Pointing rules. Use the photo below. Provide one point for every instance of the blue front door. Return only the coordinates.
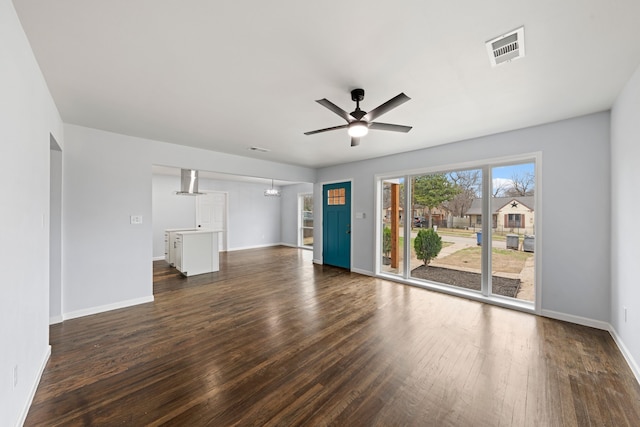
(336, 224)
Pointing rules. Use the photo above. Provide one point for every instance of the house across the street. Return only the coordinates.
(508, 214)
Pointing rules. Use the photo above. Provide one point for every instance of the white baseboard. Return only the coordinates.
(584, 321)
(159, 258)
(289, 245)
(55, 319)
(626, 353)
(107, 307)
(363, 272)
(244, 248)
(317, 261)
(34, 386)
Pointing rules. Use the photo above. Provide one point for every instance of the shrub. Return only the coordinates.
(386, 241)
(427, 245)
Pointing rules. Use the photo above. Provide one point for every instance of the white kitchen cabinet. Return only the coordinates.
(196, 252)
(166, 246)
(170, 244)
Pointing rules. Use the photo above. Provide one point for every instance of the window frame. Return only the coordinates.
(486, 165)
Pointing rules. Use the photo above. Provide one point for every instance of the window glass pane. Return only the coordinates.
(392, 240)
(336, 196)
(306, 220)
(513, 233)
(446, 228)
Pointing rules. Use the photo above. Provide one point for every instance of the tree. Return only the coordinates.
(386, 241)
(521, 185)
(427, 245)
(431, 191)
(499, 188)
(468, 182)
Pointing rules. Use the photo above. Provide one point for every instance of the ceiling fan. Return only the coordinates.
(359, 122)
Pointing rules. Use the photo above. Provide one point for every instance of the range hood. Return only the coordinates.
(188, 183)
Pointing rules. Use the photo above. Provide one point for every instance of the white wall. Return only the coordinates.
(574, 214)
(253, 221)
(169, 210)
(107, 178)
(289, 219)
(55, 234)
(625, 227)
(27, 117)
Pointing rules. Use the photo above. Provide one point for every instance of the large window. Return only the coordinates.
(432, 229)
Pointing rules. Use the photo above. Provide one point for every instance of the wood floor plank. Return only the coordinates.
(272, 339)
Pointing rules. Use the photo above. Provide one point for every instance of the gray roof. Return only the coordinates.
(498, 203)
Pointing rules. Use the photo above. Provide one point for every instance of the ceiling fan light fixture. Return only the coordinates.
(358, 128)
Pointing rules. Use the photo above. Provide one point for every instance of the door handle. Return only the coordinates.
(348, 228)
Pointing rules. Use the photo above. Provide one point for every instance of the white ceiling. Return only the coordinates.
(228, 75)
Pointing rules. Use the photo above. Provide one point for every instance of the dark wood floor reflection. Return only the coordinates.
(272, 339)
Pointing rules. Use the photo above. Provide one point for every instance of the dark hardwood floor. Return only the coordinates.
(274, 340)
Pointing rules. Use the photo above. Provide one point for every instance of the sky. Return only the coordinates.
(507, 172)
(501, 176)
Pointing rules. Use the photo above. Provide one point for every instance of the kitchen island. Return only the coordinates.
(196, 251)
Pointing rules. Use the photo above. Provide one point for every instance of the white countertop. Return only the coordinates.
(199, 230)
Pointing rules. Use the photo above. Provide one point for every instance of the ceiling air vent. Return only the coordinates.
(259, 149)
(506, 47)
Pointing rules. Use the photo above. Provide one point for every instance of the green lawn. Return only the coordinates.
(504, 260)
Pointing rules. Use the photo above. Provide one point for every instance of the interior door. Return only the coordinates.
(211, 213)
(336, 224)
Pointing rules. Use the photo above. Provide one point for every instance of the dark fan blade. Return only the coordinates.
(326, 129)
(387, 106)
(355, 141)
(333, 107)
(387, 126)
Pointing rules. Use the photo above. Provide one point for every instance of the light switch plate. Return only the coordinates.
(136, 219)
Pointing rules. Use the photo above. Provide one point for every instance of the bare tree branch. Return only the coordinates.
(468, 182)
(521, 185)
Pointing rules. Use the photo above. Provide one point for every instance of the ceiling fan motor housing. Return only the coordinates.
(357, 95)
